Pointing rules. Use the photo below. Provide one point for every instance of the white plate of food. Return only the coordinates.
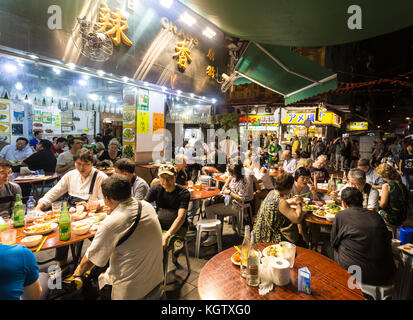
(236, 258)
(31, 241)
(81, 227)
(43, 228)
(79, 215)
(48, 218)
(274, 250)
(97, 216)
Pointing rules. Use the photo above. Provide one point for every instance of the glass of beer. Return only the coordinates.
(56, 207)
(198, 186)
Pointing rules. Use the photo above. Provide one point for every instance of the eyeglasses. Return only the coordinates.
(6, 173)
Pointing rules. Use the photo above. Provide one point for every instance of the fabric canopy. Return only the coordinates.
(285, 72)
(301, 23)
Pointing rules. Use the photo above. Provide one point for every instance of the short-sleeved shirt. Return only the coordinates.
(175, 200)
(7, 197)
(322, 176)
(55, 151)
(105, 156)
(139, 188)
(182, 177)
(64, 159)
(373, 179)
(42, 160)
(407, 163)
(135, 266)
(18, 269)
(11, 153)
(33, 143)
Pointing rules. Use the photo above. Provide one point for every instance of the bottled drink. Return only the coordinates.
(244, 251)
(331, 185)
(253, 263)
(30, 205)
(64, 224)
(18, 212)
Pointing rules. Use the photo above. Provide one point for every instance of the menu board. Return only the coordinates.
(44, 120)
(142, 114)
(157, 123)
(5, 126)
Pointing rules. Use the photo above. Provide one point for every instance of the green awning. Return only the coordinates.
(285, 72)
(304, 23)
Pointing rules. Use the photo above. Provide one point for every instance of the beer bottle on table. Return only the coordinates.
(18, 212)
(244, 251)
(64, 224)
(253, 263)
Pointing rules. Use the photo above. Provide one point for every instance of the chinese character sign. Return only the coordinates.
(184, 56)
(297, 118)
(211, 54)
(114, 24)
(210, 70)
(354, 126)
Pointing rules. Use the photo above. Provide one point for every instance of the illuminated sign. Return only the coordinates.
(258, 120)
(184, 56)
(166, 24)
(355, 126)
(298, 118)
(210, 71)
(114, 24)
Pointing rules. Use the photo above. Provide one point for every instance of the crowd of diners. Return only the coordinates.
(130, 264)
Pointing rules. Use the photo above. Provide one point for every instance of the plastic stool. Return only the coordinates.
(378, 292)
(208, 225)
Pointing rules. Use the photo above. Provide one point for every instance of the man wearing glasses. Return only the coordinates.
(8, 190)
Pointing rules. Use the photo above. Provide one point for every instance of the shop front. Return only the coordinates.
(104, 64)
(315, 123)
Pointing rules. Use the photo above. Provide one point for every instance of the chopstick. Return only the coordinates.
(304, 194)
(237, 249)
(41, 245)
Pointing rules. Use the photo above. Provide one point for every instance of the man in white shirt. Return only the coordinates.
(20, 151)
(357, 179)
(65, 161)
(263, 183)
(82, 184)
(289, 163)
(132, 243)
(371, 177)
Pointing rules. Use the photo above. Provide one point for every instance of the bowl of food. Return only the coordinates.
(330, 217)
(31, 241)
(97, 216)
(79, 215)
(80, 228)
(43, 228)
(274, 250)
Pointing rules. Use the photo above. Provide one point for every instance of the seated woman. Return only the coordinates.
(236, 188)
(275, 213)
(110, 156)
(305, 162)
(393, 202)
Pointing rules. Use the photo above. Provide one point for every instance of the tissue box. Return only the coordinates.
(304, 280)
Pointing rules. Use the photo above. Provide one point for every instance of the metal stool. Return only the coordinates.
(208, 225)
(240, 218)
(187, 261)
(378, 292)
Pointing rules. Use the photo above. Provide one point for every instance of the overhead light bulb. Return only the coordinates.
(178, 92)
(192, 95)
(56, 70)
(82, 82)
(214, 101)
(48, 92)
(146, 84)
(209, 33)
(125, 79)
(100, 73)
(93, 97)
(19, 86)
(167, 3)
(71, 66)
(163, 89)
(10, 67)
(186, 18)
(33, 56)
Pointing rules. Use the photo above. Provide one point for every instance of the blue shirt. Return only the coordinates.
(18, 269)
(33, 143)
(11, 153)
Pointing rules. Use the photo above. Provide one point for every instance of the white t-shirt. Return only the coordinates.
(136, 266)
(64, 159)
(265, 177)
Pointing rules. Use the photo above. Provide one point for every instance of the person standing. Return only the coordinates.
(346, 153)
(274, 152)
(296, 145)
(406, 167)
(339, 157)
(107, 137)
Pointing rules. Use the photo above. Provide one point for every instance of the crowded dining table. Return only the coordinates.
(220, 279)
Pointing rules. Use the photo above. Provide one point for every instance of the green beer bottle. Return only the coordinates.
(64, 224)
(18, 212)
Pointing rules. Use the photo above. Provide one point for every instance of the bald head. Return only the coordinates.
(286, 155)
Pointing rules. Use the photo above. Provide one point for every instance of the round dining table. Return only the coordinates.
(220, 279)
(205, 192)
(33, 180)
(153, 168)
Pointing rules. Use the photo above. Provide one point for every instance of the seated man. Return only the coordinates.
(126, 167)
(58, 147)
(319, 171)
(19, 274)
(289, 163)
(371, 177)
(37, 136)
(131, 239)
(8, 190)
(82, 184)
(65, 162)
(359, 237)
(43, 159)
(357, 179)
(20, 151)
(172, 202)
